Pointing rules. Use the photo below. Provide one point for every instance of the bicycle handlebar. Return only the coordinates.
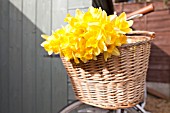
(143, 11)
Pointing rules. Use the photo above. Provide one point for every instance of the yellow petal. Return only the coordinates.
(110, 48)
(108, 39)
(130, 22)
(102, 45)
(75, 59)
(78, 13)
(97, 51)
(122, 16)
(92, 42)
(44, 43)
(94, 58)
(112, 17)
(50, 52)
(123, 39)
(88, 56)
(115, 52)
(104, 16)
(44, 36)
(106, 55)
(68, 18)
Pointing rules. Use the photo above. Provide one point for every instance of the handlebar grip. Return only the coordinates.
(143, 10)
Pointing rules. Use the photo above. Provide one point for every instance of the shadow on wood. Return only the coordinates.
(29, 82)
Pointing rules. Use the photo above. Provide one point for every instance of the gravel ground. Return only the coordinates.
(157, 105)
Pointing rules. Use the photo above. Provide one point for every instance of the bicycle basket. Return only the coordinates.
(117, 83)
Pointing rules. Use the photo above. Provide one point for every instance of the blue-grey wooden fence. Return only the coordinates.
(30, 82)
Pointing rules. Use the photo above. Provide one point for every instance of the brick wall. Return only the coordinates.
(159, 22)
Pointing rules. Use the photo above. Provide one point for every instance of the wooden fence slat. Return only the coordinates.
(73, 4)
(71, 95)
(29, 95)
(160, 87)
(156, 93)
(59, 12)
(4, 54)
(59, 85)
(59, 75)
(72, 11)
(15, 56)
(43, 65)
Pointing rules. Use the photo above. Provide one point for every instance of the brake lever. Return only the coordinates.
(134, 16)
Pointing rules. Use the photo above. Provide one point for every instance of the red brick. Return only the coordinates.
(162, 39)
(158, 22)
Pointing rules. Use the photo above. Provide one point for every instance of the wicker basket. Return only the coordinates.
(117, 83)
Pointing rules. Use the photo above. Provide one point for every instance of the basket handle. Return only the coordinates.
(148, 33)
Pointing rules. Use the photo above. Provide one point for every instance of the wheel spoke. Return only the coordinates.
(93, 110)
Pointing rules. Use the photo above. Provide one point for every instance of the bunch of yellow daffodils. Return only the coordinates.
(89, 34)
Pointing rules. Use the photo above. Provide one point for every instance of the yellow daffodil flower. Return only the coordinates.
(88, 34)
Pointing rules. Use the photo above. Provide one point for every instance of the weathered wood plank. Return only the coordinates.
(29, 61)
(4, 54)
(156, 93)
(72, 11)
(59, 12)
(43, 65)
(59, 85)
(73, 4)
(71, 95)
(59, 75)
(164, 88)
(15, 56)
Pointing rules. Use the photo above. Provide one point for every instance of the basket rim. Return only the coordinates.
(136, 43)
(147, 34)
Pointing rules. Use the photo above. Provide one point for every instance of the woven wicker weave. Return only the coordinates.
(117, 83)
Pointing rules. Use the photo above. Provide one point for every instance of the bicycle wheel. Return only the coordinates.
(79, 107)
